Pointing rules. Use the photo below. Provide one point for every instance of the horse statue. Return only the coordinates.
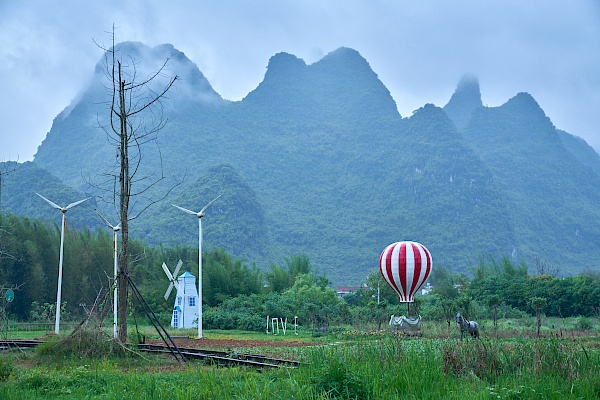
(467, 327)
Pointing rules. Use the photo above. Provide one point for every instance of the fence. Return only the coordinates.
(37, 326)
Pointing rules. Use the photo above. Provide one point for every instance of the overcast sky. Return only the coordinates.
(419, 48)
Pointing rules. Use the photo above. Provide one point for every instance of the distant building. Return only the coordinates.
(426, 289)
(344, 290)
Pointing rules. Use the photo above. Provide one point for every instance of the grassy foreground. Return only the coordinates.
(352, 367)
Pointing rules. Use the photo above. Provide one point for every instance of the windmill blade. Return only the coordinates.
(208, 205)
(172, 279)
(169, 276)
(49, 202)
(169, 291)
(179, 264)
(186, 210)
(76, 203)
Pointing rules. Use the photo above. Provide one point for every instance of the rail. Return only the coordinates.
(18, 343)
(216, 357)
(223, 358)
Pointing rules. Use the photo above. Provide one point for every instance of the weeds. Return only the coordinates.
(6, 368)
(363, 367)
(335, 378)
(489, 360)
(83, 343)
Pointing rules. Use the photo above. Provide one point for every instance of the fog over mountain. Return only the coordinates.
(419, 50)
(317, 160)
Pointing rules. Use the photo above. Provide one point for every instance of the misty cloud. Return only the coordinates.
(419, 50)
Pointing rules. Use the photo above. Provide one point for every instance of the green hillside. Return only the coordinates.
(554, 198)
(24, 180)
(318, 161)
(580, 150)
(233, 221)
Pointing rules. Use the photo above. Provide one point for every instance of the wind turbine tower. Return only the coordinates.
(115, 229)
(60, 260)
(199, 215)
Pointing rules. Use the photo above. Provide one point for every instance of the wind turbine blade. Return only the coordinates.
(104, 220)
(169, 291)
(49, 202)
(186, 210)
(76, 203)
(208, 205)
(179, 264)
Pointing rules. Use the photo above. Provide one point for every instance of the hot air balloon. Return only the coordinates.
(405, 266)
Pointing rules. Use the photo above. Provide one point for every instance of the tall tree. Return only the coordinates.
(132, 98)
(538, 304)
(493, 303)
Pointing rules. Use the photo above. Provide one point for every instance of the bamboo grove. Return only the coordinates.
(238, 296)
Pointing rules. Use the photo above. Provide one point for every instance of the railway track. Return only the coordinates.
(19, 343)
(223, 358)
(215, 357)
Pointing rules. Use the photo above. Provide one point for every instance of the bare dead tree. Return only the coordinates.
(136, 118)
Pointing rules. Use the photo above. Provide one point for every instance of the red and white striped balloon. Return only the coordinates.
(405, 266)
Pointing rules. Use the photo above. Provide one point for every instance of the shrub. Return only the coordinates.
(82, 343)
(6, 369)
(216, 318)
(583, 324)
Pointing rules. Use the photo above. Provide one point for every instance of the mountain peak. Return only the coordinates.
(344, 59)
(289, 82)
(344, 53)
(347, 68)
(284, 64)
(465, 100)
(524, 99)
(191, 85)
(469, 85)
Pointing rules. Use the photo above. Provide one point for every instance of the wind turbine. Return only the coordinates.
(60, 261)
(115, 230)
(199, 215)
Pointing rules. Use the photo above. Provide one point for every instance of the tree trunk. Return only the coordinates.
(124, 181)
(126, 131)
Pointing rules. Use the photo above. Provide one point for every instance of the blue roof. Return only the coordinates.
(186, 274)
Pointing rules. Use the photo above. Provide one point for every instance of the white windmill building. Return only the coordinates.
(185, 309)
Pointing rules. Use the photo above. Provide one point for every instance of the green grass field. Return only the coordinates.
(565, 364)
